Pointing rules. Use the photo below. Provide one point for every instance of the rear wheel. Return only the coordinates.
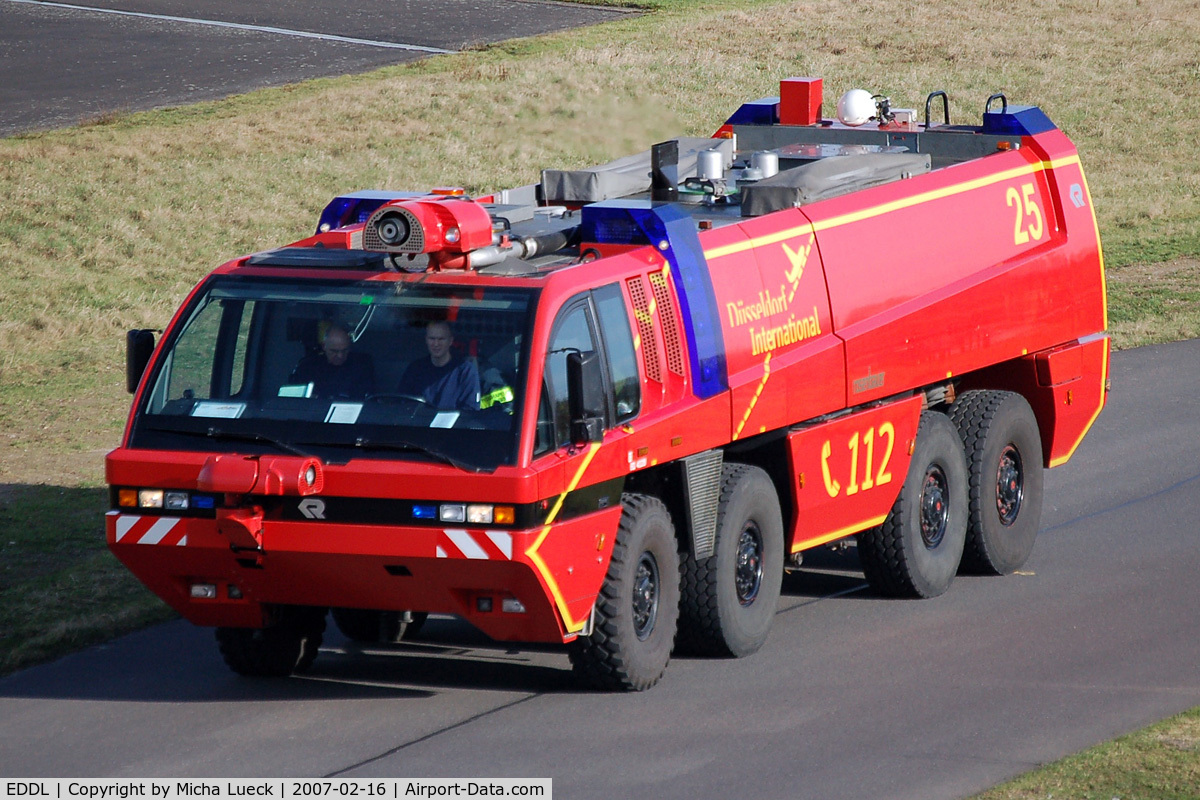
(637, 611)
(730, 598)
(1004, 462)
(917, 550)
(287, 646)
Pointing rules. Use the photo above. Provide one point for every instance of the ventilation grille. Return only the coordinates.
(645, 324)
(702, 479)
(666, 313)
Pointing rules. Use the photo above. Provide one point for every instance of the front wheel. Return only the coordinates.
(917, 549)
(287, 646)
(637, 612)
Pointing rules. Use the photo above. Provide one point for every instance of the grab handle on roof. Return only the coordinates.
(945, 107)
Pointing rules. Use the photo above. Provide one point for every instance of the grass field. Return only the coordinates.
(1161, 762)
(106, 226)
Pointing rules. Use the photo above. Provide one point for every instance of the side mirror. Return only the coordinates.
(585, 397)
(139, 345)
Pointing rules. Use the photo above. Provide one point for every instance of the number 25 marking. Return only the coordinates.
(1025, 205)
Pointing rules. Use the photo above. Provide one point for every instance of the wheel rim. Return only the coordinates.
(645, 595)
(1010, 485)
(749, 570)
(935, 509)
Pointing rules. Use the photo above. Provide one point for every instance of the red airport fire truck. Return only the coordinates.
(609, 408)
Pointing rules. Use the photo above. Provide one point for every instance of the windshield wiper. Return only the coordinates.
(401, 446)
(233, 436)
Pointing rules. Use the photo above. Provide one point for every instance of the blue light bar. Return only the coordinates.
(764, 111)
(353, 208)
(607, 223)
(672, 232)
(1017, 121)
(205, 501)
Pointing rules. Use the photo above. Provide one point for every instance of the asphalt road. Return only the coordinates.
(63, 63)
(853, 696)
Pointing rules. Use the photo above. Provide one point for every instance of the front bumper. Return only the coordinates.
(552, 573)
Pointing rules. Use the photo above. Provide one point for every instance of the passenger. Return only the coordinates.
(336, 372)
(443, 380)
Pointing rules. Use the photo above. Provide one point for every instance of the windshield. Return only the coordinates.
(336, 369)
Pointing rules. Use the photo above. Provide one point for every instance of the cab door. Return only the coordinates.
(581, 485)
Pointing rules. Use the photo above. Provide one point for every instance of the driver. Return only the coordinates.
(443, 380)
(336, 372)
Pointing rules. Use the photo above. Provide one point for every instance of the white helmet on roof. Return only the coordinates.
(855, 107)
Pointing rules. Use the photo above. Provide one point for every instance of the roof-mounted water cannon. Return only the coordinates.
(456, 233)
(447, 229)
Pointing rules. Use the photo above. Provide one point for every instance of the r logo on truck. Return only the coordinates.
(312, 508)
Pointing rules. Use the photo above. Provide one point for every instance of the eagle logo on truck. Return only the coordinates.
(798, 258)
(765, 337)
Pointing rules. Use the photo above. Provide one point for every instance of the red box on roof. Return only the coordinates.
(799, 101)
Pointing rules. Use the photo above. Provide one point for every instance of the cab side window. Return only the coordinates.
(573, 332)
(622, 361)
(578, 328)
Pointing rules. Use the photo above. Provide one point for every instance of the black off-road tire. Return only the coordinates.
(730, 598)
(1004, 463)
(637, 611)
(917, 550)
(288, 646)
(370, 627)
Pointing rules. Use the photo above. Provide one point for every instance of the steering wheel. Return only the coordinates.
(389, 397)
